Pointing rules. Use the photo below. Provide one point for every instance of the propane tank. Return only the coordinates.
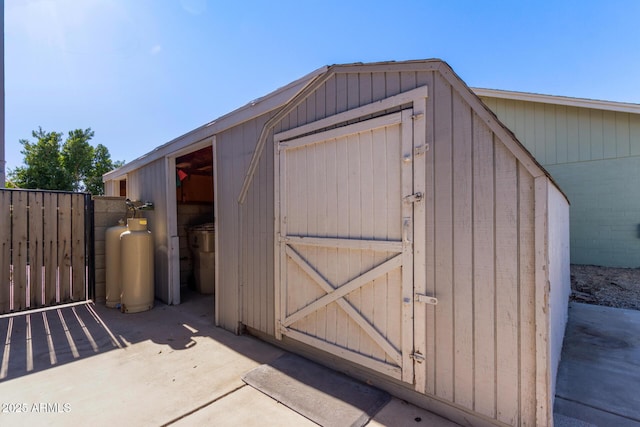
(112, 264)
(136, 257)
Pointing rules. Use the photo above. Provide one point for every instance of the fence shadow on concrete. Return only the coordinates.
(37, 340)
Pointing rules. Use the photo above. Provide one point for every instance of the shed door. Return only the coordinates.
(345, 244)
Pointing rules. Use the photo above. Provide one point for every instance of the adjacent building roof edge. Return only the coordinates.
(623, 107)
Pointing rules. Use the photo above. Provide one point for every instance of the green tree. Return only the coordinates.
(72, 166)
(101, 164)
(77, 157)
(43, 167)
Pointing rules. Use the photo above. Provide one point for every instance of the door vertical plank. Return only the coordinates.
(407, 253)
(354, 230)
(381, 232)
(64, 247)
(342, 264)
(5, 249)
(394, 227)
(35, 248)
(367, 208)
(333, 218)
(419, 241)
(20, 251)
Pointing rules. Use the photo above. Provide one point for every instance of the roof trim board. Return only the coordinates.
(622, 107)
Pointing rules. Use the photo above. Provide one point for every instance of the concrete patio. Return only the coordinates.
(89, 364)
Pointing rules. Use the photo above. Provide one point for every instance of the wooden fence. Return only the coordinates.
(45, 246)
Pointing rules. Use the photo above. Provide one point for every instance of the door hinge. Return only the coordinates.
(413, 198)
(417, 356)
(426, 299)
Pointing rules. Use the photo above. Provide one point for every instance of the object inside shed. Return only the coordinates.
(194, 197)
(194, 177)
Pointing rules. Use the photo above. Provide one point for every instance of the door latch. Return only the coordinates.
(418, 357)
(413, 198)
(426, 299)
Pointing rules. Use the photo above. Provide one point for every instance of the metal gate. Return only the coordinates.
(45, 246)
(345, 242)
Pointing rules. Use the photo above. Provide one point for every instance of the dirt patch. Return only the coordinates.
(608, 286)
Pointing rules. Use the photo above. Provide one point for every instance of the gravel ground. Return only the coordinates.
(612, 287)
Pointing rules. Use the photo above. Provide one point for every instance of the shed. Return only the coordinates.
(379, 219)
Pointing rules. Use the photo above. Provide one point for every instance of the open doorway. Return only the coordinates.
(194, 174)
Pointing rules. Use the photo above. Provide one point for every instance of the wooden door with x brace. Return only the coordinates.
(345, 242)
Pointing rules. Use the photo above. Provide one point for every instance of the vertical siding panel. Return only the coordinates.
(539, 133)
(341, 93)
(623, 143)
(508, 116)
(320, 107)
(609, 134)
(36, 260)
(392, 83)
(443, 237)
(483, 270)
(378, 86)
(430, 251)
(584, 134)
(573, 135)
(507, 304)
(366, 91)
(330, 104)
(562, 149)
(519, 128)
(527, 366)
(550, 134)
(230, 152)
(634, 134)
(311, 108)
(462, 252)
(269, 224)
(302, 115)
(353, 90)
(5, 249)
(530, 130)
(407, 81)
(597, 142)
(251, 239)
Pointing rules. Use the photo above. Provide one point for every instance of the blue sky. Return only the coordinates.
(142, 72)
